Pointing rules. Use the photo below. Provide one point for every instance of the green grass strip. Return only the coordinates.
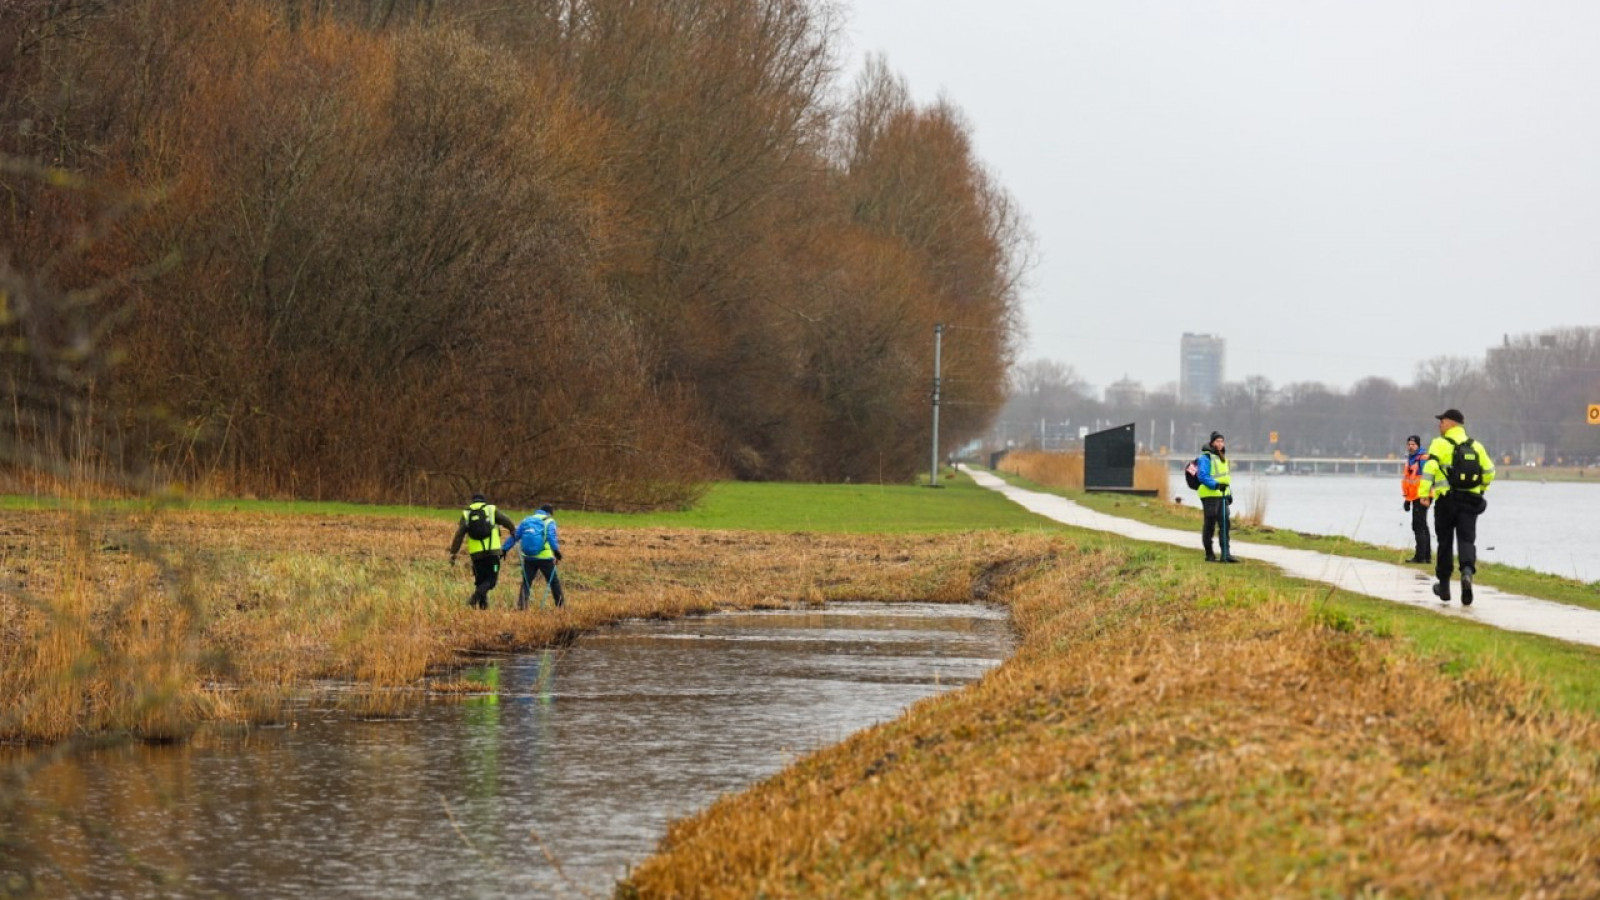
(1187, 517)
(957, 505)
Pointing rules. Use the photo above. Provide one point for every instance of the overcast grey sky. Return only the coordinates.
(1340, 189)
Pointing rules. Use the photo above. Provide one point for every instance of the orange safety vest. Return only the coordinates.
(1413, 476)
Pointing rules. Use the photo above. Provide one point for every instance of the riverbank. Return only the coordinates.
(1169, 729)
(154, 624)
(1186, 517)
(1548, 473)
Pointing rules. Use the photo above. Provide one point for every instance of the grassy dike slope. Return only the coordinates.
(1181, 517)
(1170, 729)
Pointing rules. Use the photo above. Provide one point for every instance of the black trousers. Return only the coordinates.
(547, 568)
(485, 575)
(1216, 510)
(1455, 522)
(1419, 527)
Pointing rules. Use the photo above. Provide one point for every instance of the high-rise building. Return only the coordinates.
(1200, 368)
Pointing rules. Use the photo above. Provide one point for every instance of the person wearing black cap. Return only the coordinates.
(540, 543)
(480, 527)
(1458, 472)
(1215, 495)
(1415, 458)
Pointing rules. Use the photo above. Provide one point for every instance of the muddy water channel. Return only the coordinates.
(552, 786)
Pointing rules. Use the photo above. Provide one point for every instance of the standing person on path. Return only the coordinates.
(480, 528)
(541, 550)
(1454, 478)
(1415, 458)
(1215, 495)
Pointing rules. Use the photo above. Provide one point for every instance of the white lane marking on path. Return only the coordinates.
(1386, 581)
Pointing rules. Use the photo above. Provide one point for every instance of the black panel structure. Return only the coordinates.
(1108, 460)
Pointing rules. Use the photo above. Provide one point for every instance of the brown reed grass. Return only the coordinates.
(1166, 731)
(1254, 512)
(1065, 470)
(153, 623)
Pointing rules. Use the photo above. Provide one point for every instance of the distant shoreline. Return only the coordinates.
(1547, 473)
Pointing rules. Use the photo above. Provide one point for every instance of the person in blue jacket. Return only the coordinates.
(1216, 494)
(540, 543)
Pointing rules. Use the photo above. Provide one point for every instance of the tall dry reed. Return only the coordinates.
(1254, 513)
(1065, 470)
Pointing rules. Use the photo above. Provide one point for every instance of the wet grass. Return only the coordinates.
(1186, 517)
(1168, 729)
(152, 623)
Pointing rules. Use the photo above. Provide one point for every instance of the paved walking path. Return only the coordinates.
(1387, 581)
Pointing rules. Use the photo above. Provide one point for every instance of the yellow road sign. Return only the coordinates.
(1594, 414)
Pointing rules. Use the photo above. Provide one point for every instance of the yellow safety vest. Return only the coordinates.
(1219, 474)
(492, 542)
(1441, 455)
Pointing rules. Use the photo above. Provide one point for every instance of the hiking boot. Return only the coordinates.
(1466, 587)
(1418, 559)
(1442, 591)
(1228, 559)
(1210, 557)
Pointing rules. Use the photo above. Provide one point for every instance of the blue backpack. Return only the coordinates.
(535, 535)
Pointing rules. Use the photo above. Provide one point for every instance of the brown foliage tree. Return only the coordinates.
(585, 250)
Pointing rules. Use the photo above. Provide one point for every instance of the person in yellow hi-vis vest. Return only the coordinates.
(1458, 472)
(1216, 495)
(480, 528)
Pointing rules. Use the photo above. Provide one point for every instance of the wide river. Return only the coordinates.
(1550, 527)
(553, 786)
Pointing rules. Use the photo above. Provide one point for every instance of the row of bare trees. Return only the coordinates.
(595, 251)
(1527, 398)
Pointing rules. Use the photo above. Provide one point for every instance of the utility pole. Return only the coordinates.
(933, 470)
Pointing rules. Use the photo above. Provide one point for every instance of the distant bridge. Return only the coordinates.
(1299, 465)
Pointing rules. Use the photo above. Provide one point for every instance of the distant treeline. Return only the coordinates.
(594, 251)
(1527, 398)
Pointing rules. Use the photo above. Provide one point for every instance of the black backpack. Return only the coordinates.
(1191, 474)
(1465, 472)
(479, 526)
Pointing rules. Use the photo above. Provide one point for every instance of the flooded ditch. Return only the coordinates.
(550, 786)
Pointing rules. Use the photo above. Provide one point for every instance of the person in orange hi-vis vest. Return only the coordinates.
(1415, 458)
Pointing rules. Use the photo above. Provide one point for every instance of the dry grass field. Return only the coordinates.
(153, 624)
(1165, 729)
(1167, 733)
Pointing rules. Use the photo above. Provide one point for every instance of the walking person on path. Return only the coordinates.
(1458, 472)
(540, 544)
(1415, 458)
(1215, 495)
(480, 528)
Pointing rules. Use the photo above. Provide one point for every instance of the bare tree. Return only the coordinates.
(1546, 379)
(1449, 380)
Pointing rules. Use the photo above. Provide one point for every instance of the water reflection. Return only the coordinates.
(550, 785)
